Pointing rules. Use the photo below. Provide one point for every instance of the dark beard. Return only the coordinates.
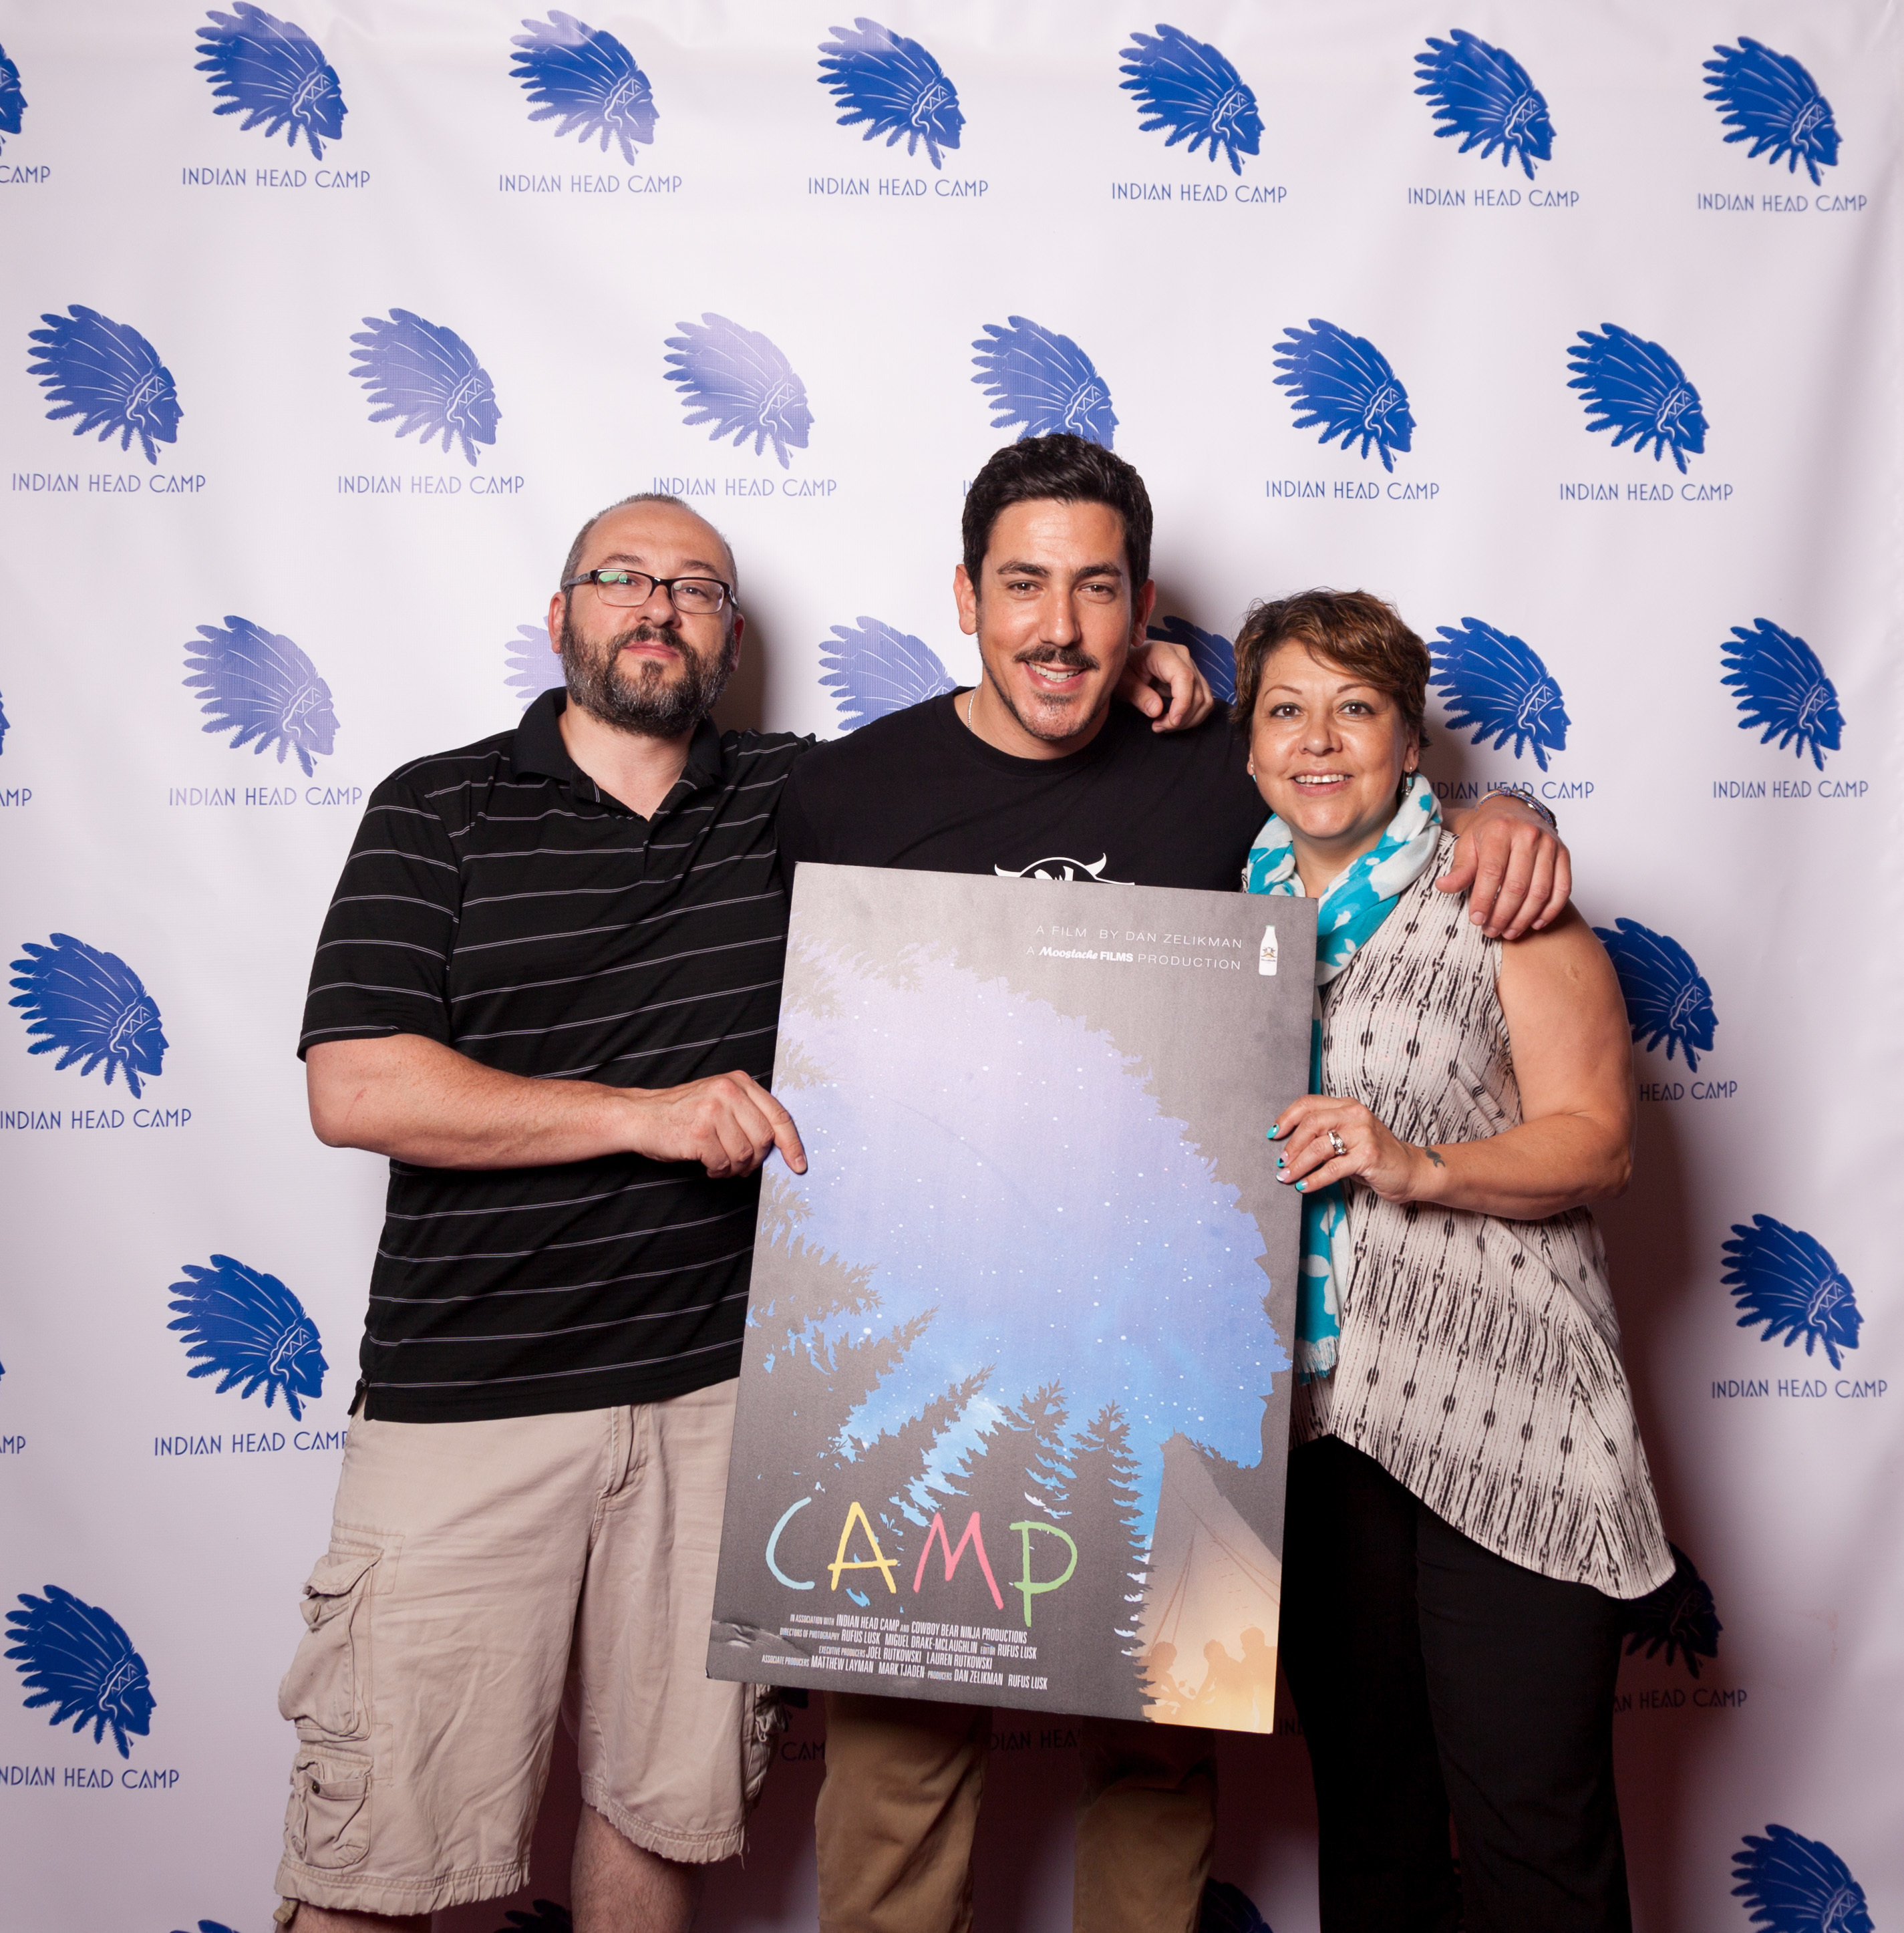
(647, 701)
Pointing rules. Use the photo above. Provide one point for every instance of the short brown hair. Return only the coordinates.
(1057, 469)
(1353, 629)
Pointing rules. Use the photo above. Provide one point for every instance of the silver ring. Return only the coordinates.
(1336, 1141)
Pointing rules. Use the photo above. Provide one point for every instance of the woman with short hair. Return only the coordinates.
(1470, 1506)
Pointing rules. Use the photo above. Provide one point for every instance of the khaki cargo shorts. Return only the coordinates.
(476, 1571)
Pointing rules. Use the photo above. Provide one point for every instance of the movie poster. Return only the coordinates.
(1014, 1402)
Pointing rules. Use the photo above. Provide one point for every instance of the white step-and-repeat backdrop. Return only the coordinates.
(1575, 330)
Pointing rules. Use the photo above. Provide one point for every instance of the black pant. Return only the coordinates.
(1431, 1676)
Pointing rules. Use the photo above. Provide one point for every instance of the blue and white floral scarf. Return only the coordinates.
(1355, 903)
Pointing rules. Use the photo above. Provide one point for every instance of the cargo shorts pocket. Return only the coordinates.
(327, 1689)
(765, 1718)
(327, 1823)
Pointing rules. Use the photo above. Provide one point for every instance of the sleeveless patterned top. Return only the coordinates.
(1479, 1359)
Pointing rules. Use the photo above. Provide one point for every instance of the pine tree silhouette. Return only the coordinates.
(889, 1474)
(1018, 1466)
(1111, 1560)
(820, 1374)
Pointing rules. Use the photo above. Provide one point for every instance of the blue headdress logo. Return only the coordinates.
(1797, 1885)
(873, 669)
(1666, 997)
(1491, 680)
(1781, 685)
(1484, 94)
(1771, 101)
(247, 1327)
(75, 1658)
(1679, 1617)
(735, 379)
(1044, 381)
(13, 98)
(1190, 87)
(1226, 1908)
(91, 1007)
(1344, 383)
(892, 84)
(1639, 391)
(1787, 1279)
(109, 376)
(209, 1926)
(428, 378)
(1213, 654)
(273, 71)
(261, 688)
(533, 668)
(584, 79)
(545, 1916)
(5, 726)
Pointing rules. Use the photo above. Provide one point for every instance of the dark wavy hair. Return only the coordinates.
(1353, 629)
(1062, 469)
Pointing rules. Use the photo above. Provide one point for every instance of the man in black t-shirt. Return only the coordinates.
(1034, 773)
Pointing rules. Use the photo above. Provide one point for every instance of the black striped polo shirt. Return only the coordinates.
(498, 900)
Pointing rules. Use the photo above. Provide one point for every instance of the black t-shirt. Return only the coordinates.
(918, 789)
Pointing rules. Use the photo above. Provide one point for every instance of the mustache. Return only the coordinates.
(647, 633)
(1073, 657)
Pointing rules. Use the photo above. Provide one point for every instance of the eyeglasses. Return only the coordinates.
(628, 590)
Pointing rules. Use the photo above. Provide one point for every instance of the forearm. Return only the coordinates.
(1526, 1174)
(420, 1102)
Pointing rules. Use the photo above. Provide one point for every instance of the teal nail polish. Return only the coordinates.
(1300, 1186)
(1279, 1161)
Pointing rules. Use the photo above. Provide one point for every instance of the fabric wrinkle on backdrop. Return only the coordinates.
(1575, 332)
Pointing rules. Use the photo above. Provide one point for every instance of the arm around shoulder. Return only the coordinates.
(1509, 861)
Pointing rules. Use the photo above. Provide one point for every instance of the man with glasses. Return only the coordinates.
(547, 989)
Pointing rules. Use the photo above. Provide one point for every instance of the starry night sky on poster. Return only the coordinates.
(1105, 1263)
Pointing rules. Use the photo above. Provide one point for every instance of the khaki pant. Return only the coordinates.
(476, 1570)
(900, 1806)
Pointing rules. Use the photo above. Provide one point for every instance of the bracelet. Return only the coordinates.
(1525, 793)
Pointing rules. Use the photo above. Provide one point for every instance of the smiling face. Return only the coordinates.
(653, 670)
(1330, 751)
(1055, 614)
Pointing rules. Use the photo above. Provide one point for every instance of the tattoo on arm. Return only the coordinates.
(1433, 1157)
